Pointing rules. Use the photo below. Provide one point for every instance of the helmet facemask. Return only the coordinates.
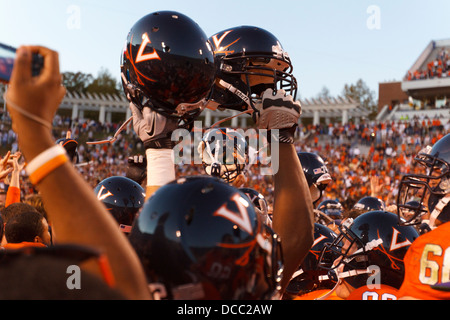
(248, 60)
(223, 153)
(430, 187)
(185, 113)
(244, 78)
(352, 263)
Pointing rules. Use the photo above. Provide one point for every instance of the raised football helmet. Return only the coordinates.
(71, 148)
(331, 208)
(370, 203)
(168, 65)
(307, 277)
(430, 188)
(248, 61)
(123, 198)
(316, 173)
(208, 243)
(372, 245)
(224, 153)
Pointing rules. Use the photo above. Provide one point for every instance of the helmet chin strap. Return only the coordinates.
(338, 276)
(236, 92)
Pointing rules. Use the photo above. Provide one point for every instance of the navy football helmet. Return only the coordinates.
(123, 198)
(371, 243)
(331, 208)
(370, 203)
(168, 65)
(200, 238)
(248, 61)
(316, 173)
(308, 276)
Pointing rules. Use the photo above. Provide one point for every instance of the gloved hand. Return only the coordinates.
(137, 168)
(153, 128)
(277, 111)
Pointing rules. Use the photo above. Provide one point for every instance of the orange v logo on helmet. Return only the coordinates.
(140, 54)
(147, 56)
(102, 196)
(394, 242)
(218, 42)
(242, 219)
(316, 241)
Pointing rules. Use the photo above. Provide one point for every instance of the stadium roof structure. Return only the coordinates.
(106, 104)
(428, 87)
(337, 108)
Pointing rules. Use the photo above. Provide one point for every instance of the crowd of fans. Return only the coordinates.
(436, 68)
(355, 154)
(201, 238)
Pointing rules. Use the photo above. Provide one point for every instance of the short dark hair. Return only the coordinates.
(24, 227)
(15, 209)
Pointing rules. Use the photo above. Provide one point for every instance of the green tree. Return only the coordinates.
(361, 93)
(77, 81)
(324, 93)
(104, 83)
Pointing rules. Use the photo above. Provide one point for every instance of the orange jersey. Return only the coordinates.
(384, 292)
(22, 245)
(12, 196)
(427, 262)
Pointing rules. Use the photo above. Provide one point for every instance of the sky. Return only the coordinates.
(331, 43)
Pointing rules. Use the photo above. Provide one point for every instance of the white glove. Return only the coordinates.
(153, 128)
(277, 111)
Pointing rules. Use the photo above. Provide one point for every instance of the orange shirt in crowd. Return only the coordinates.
(12, 196)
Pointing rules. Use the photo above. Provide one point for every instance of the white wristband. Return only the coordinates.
(46, 162)
(160, 166)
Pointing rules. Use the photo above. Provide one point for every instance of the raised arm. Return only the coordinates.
(77, 216)
(293, 217)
